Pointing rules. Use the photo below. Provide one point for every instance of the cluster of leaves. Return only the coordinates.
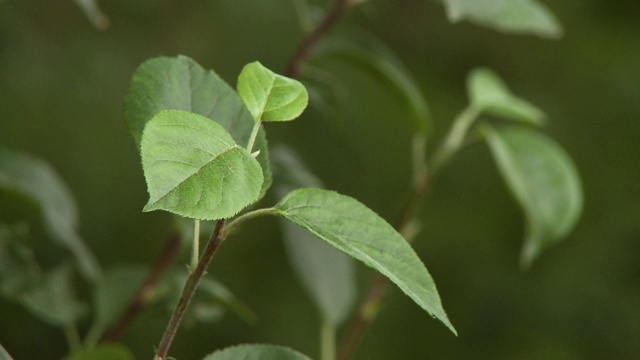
(205, 156)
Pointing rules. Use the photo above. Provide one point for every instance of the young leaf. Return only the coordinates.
(509, 16)
(354, 229)
(104, 352)
(269, 96)
(52, 299)
(25, 178)
(256, 352)
(545, 182)
(327, 274)
(194, 168)
(180, 83)
(367, 53)
(489, 94)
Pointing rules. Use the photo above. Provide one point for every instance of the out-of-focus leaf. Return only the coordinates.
(115, 290)
(194, 168)
(180, 83)
(93, 13)
(25, 178)
(211, 301)
(354, 229)
(545, 182)
(51, 299)
(18, 266)
(489, 94)
(256, 352)
(367, 53)
(509, 16)
(269, 96)
(326, 273)
(4, 355)
(104, 352)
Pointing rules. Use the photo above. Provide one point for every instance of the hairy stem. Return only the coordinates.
(189, 290)
(143, 296)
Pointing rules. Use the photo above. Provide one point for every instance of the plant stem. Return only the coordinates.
(189, 290)
(327, 341)
(144, 294)
(195, 250)
(244, 217)
(310, 40)
(423, 177)
(73, 338)
(254, 134)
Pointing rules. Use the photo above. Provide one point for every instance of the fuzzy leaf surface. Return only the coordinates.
(269, 96)
(508, 16)
(30, 183)
(180, 83)
(354, 229)
(256, 352)
(194, 168)
(327, 274)
(544, 181)
(491, 95)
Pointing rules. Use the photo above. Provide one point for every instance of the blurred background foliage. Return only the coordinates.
(62, 82)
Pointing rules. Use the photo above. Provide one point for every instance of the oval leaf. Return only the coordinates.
(490, 94)
(327, 274)
(509, 16)
(269, 96)
(35, 181)
(256, 352)
(180, 83)
(354, 229)
(545, 182)
(194, 168)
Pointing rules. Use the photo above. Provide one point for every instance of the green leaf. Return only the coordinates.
(269, 96)
(194, 168)
(180, 83)
(27, 181)
(489, 94)
(367, 53)
(354, 229)
(4, 355)
(115, 290)
(52, 299)
(509, 16)
(545, 182)
(18, 266)
(256, 352)
(104, 352)
(328, 275)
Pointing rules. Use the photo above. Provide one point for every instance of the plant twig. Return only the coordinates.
(142, 297)
(189, 290)
(303, 52)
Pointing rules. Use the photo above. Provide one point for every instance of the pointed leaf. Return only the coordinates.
(354, 229)
(194, 168)
(369, 54)
(256, 352)
(509, 16)
(269, 96)
(490, 95)
(180, 83)
(26, 179)
(327, 274)
(545, 182)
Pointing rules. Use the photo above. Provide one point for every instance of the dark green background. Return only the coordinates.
(62, 83)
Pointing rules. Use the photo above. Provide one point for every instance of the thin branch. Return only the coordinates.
(307, 44)
(189, 290)
(143, 296)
